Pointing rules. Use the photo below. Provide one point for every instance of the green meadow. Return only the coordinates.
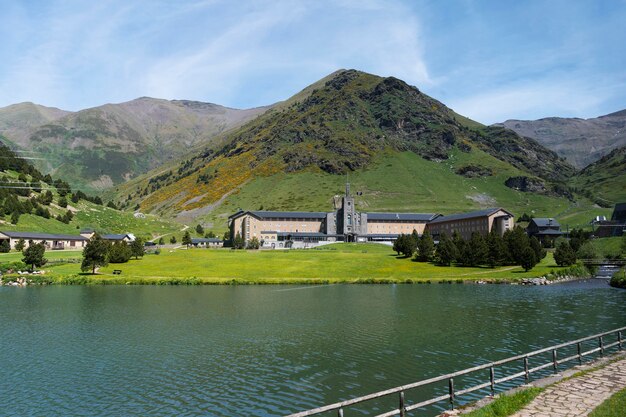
(337, 263)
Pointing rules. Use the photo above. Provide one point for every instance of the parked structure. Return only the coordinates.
(300, 229)
(544, 229)
(50, 241)
(481, 221)
(210, 242)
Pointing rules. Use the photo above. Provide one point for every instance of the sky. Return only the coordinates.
(489, 60)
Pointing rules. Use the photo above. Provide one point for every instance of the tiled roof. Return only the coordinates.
(470, 215)
(42, 236)
(419, 217)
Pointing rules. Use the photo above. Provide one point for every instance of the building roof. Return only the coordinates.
(42, 236)
(384, 235)
(303, 234)
(469, 215)
(115, 236)
(196, 240)
(289, 214)
(419, 217)
(545, 222)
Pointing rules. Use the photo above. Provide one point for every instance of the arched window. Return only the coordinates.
(349, 219)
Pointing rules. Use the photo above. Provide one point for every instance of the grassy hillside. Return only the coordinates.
(401, 182)
(605, 180)
(349, 123)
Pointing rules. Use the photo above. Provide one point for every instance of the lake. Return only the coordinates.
(267, 350)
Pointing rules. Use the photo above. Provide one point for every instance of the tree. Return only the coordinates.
(186, 238)
(111, 205)
(119, 252)
(33, 255)
(173, 240)
(46, 197)
(137, 248)
(475, 251)
(199, 229)
(517, 241)
(62, 202)
(406, 245)
(540, 252)
(254, 243)
(425, 247)
(564, 255)
(445, 252)
(497, 250)
(209, 235)
(15, 217)
(587, 251)
(95, 254)
(19, 245)
(75, 198)
(238, 242)
(623, 245)
(459, 243)
(529, 259)
(161, 241)
(5, 246)
(227, 236)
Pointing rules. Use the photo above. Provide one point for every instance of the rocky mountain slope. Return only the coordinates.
(345, 124)
(96, 148)
(580, 141)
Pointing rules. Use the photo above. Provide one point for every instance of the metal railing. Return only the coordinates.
(404, 407)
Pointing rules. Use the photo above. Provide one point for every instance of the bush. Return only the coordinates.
(618, 280)
(119, 253)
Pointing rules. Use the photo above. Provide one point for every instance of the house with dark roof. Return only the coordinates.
(544, 229)
(50, 241)
(209, 242)
(481, 221)
(279, 229)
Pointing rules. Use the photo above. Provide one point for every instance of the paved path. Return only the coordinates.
(579, 396)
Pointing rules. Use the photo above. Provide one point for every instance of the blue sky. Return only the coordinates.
(490, 60)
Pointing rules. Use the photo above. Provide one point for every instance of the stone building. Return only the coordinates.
(300, 229)
(481, 221)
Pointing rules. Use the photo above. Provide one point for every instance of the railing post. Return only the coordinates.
(492, 379)
(451, 389)
(526, 371)
(601, 345)
(555, 363)
(340, 412)
(580, 356)
(619, 340)
(402, 408)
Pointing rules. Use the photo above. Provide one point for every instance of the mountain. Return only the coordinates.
(580, 141)
(96, 148)
(18, 121)
(605, 179)
(352, 124)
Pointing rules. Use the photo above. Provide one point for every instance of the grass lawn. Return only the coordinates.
(613, 407)
(506, 405)
(329, 264)
(50, 255)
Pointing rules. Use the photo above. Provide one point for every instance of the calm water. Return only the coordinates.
(267, 350)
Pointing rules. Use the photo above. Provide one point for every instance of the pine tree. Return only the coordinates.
(137, 247)
(119, 252)
(200, 229)
(15, 217)
(528, 259)
(173, 240)
(186, 238)
(95, 254)
(5, 246)
(540, 252)
(161, 241)
(446, 251)
(238, 242)
(425, 247)
(564, 255)
(497, 250)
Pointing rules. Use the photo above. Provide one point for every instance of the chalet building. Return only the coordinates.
(544, 229)
(614, 227)
(300, 229)
(482, 221)
(210, 242)
(50, 241)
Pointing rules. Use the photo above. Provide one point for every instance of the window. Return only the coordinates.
(349, 220)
